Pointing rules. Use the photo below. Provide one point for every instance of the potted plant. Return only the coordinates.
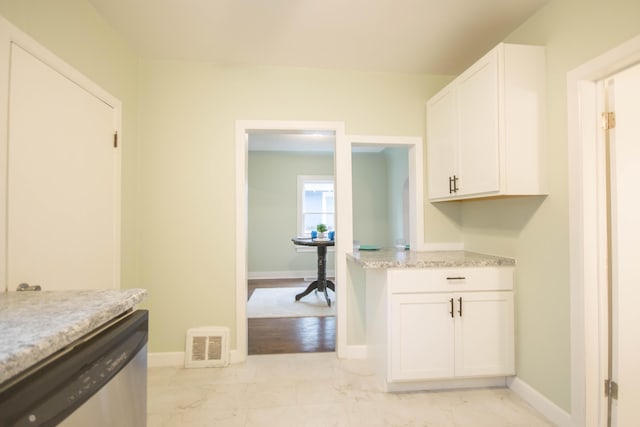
(321, 229)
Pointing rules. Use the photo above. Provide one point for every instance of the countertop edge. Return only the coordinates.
(392, 258)
(54, 336)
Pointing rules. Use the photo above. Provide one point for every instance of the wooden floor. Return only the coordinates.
(289, 334)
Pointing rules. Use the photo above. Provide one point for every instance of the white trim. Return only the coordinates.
(175, 359)
(438, 385)
(165, 359)
(236, 357)
(540, 403)
(355, 352)
(242, 126)
(344, 227)
(293, 274)
(11, 34)
(585, 264)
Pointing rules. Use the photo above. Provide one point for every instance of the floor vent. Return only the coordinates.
(207, 347)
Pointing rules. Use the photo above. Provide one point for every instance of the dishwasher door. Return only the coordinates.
(100, 381)
(121, 402)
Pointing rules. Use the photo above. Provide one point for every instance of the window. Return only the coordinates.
(315, 203)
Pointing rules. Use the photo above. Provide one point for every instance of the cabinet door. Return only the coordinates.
(484, 334)
(442, 140)
(421, 336)
(478, 127)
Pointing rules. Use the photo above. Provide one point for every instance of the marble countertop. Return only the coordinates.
(34, 325)
(394, 258)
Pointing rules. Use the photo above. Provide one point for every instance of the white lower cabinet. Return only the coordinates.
(443, 325)
(435, 336)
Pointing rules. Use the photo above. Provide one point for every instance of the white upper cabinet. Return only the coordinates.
(484, 129)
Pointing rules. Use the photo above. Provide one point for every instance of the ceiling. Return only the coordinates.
(414, 36)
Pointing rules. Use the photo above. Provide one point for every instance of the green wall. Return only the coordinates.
(179, 152)
(369, 193)
(377, 180)
(74, 31)
(188, 112)
(536, 230)
(178, 142)
(273, 206)
(397, 175)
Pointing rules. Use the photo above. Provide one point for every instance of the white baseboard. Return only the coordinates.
(444, 384)
(165, 359)
(254, 275)
(176, 359)
(234, 357)
(540, 403)
(354, 352)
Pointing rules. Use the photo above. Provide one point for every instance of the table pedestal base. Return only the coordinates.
(321, 284)
(316, 286)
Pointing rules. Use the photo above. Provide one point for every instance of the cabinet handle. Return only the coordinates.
(460, 306)
(456, 278)
(451, 312)
(451, 186)
(455, 184)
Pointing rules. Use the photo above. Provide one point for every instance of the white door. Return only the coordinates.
(63, 185)
(442, 144)
(478, 127)
(484, 334)
(625, 240)
(422, 343)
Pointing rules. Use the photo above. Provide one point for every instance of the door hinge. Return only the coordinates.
(608, 120)
(611, 389)
(115, 139)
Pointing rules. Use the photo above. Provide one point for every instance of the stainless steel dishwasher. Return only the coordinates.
(100, 380)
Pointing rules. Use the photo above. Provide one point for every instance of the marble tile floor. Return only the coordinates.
(317, 389)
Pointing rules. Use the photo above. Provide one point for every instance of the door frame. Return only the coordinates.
(10, 34)
(344, 217)
(242, 209)
(587, 266)
(414, 147)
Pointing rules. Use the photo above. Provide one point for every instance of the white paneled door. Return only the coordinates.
(63, 181)
(625, 244)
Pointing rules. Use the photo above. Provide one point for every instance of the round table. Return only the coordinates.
(321, 283)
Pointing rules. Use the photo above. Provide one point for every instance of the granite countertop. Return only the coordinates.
(34, 325)
(394, 258)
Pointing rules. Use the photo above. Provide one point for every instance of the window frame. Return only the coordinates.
(302, 180)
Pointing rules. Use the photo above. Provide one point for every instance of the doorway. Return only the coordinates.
(243, 129)
(350, 345)
(290, 191)
(589, 268)
(346, 346)
(380, 201)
